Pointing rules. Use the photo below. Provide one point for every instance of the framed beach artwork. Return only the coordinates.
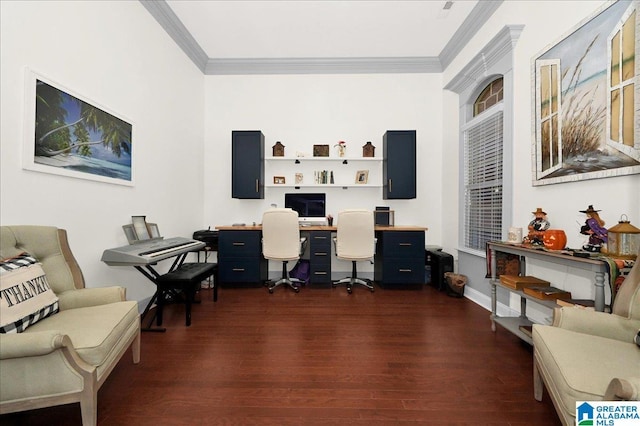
(586, 100)
(66, 134)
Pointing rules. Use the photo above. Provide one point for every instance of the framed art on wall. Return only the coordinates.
(585, 99)
(69, 135)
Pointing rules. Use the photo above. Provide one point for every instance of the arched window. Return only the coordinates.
(491, 95)
(483, 168)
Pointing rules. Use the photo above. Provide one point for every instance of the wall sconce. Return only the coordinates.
(624, 239)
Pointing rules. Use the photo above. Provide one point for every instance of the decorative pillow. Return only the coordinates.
(25, 295)
(637, 338)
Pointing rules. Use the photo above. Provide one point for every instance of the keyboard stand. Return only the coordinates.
(153, 276)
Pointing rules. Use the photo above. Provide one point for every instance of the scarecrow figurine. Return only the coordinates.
(594, 228)
(537, 227)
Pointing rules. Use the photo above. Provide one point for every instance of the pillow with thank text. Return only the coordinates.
(25, 295)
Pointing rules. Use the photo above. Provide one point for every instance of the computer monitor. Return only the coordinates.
(308, 206)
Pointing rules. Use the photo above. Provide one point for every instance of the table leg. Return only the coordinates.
(599, 297)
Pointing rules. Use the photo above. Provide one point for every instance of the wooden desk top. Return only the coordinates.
(322, 228)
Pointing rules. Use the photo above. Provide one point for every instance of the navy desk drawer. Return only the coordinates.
(320, 256)
(403, 244)
(320, 240)
(240, 243)
(320, 273)
(239, 270)
(398, 271)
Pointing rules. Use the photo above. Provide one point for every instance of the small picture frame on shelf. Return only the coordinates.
(321, 150)
(362, 177)
(299, 178)
(279, 180)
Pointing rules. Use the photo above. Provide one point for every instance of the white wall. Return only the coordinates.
(303, 110)
(115, 54)
(544, 25)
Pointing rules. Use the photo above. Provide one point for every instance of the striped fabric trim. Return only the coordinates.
(21, 325)
(12, 263)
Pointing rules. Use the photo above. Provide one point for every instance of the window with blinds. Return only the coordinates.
(483, 152)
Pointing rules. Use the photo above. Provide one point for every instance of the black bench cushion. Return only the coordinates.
(188, 272)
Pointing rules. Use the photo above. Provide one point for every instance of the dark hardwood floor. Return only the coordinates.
(320, 357)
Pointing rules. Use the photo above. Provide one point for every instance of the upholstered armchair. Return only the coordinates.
(590, 356)
(68, 355)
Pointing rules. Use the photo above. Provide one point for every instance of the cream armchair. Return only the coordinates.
(65, 357)
(590, 356)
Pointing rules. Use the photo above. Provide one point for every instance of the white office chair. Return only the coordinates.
(281, 241)
(355, 240)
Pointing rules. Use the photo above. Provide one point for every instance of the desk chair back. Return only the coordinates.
(280, 235)
(355, 238)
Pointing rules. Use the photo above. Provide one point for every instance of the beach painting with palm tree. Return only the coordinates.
(74, 137)
(586, 101)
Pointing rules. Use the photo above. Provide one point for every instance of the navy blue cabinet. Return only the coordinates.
(240, 258)
(247, 164)
(399, 164)
(320, 257)
(399, 257)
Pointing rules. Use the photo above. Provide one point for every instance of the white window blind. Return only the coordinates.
(483, 151)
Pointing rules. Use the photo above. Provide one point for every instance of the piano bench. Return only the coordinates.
(187, 278)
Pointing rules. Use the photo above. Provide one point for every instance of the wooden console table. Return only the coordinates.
(513, 324)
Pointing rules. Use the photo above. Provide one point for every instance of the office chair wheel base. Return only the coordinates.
(297, 289)
(271, 291)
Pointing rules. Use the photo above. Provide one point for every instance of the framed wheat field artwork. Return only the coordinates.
(586, 100)
(69, 135)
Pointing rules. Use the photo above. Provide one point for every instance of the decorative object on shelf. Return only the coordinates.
(278, 149)
(331, 180)
(368, 150)
(299, 178)
(594, 228)
(322, 176)
(623, 239)
(279, 180)
(301, 154)
(515, 235)
(554, 239)
(330, 220)
(341, 147)
(362, 176)
(321, 150)
(537, 227)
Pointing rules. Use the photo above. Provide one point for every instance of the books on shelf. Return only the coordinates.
(518, 282)
(547, 293)
(577, 303)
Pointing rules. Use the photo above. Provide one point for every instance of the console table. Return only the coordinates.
(513, 324)
(399, 255)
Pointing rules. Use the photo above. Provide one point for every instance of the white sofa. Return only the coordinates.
(65, 357)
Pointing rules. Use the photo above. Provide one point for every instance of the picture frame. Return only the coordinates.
(279, 180)
(321, 150)
(93, 142)
(299, 178)
(362, 177)
(584, 115)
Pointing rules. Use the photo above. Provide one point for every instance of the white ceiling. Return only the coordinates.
(321, 29)
(321, 36)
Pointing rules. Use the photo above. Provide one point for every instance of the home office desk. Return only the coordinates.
(399, 257)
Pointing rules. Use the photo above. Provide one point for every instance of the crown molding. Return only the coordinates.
(323, 66)
(500, 45)
(168, 20)
(476, 19)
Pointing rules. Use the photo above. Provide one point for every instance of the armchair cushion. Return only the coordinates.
(25, 294)
(572, 375)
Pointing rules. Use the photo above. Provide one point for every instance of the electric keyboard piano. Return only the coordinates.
(150, 252)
